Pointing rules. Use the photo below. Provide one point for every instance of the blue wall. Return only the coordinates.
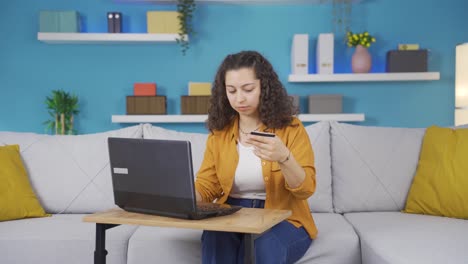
(102, 75)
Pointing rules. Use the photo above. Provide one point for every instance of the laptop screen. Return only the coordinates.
(152, 176)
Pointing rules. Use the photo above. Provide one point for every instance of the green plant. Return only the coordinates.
(62, 107)
(364, 39)
(186, 8)
(341, 15)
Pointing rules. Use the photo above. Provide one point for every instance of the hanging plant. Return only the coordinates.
(62, 108)
(186, 8)
(341, 13)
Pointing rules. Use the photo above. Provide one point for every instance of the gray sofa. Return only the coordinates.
(363, 177)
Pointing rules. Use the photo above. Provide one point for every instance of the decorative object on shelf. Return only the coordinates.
(186, 8)
(407, 61)
(199, 88)
(461, 84)
(144, 89)
(114, 22)
(355, 39)
(408, 46)
(59, 21)
(300, 54)
(325, 48)
(146, 105)
(62, 107)
(341, 13)
(325, 104)
(145, 101)
(163, 22)
(361, 60)
(194, 105)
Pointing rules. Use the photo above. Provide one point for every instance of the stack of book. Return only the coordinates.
(166, 22)
(59, 21)
(114, 22)
(198, 100)
(144, 100)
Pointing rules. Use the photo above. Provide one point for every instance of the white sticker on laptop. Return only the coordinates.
(120, 170)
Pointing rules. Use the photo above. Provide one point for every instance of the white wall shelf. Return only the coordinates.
(237, 2)
(202, 118)
(105, 38)
(365, 77)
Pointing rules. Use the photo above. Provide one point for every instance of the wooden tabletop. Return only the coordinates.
(246, 220)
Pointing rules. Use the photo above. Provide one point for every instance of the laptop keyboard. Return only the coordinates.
(216, 209)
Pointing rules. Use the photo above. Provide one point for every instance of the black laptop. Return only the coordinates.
(155, 176)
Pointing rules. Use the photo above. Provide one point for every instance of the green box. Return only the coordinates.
(59, 21)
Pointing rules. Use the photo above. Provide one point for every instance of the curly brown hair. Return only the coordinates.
(276, 108)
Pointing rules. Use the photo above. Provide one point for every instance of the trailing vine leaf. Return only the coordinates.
(186, 8)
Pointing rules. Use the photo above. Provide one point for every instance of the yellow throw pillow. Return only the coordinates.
(440, 186)
(17, 199)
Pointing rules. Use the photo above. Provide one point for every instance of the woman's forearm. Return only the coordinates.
(293, 173)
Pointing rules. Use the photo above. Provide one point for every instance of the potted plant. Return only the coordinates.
(62, 108)
(186, 8)
(361, 60)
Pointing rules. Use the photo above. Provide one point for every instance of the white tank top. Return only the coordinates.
(248, 179)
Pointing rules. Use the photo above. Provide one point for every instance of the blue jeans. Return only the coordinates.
(283, 243)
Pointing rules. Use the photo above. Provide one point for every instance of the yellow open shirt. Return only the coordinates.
(216, 175)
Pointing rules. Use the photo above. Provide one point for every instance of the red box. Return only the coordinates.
(144, 89)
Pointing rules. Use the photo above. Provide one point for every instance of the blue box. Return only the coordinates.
(59, 21)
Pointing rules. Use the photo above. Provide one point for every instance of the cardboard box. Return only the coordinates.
(144, 89)
(407, 61)
(325, 104)
(146, 105)
(163, 22)
(199, 88)
(59, 21)
(194, 105)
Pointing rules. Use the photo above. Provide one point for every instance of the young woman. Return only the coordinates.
(256, 171)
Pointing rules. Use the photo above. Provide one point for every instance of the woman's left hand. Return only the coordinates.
(268, 148)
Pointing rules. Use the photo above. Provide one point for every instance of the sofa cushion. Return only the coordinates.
(319, 135)
(373, 167)
(439, 187)
(69, 173)
(17, 198)
(336, 243)
(59, 239)
(197, 141)
(399, 238)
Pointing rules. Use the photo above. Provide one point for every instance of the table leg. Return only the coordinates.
(249, 250)
(100, 252)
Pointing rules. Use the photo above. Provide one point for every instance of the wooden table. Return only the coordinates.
(253, 222)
